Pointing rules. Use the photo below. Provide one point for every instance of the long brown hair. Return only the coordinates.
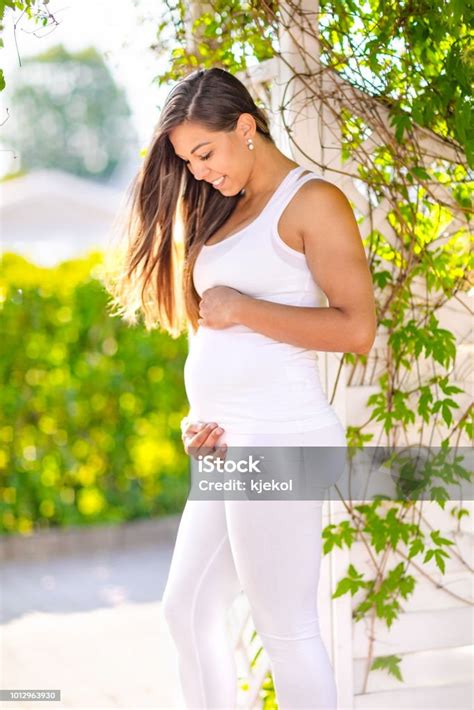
(154, 274)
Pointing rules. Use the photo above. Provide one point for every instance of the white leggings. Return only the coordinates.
(270, 550)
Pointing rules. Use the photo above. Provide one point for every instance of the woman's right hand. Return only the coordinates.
(200, 438)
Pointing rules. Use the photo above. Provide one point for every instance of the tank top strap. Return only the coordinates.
(289, 189)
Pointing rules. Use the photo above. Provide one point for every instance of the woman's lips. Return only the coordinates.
(218, 187)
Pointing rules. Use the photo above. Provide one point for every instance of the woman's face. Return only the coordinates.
(215, 155)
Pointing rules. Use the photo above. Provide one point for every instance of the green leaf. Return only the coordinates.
(352, 583)
(436, 537)
(388, 663)
(416, 547)
(420, 172)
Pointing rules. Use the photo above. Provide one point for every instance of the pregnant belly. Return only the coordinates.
(221, 359)
(236, 375)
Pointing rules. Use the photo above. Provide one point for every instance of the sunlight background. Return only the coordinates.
(49, 215)
(121, 31)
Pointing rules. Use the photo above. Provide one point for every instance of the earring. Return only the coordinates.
(250, 144)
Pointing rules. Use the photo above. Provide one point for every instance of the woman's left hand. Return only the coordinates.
(218, 307)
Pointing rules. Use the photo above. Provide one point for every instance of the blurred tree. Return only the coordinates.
(68, 113)
(90, 408)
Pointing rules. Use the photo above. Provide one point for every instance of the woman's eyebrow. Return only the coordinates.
(195, 148)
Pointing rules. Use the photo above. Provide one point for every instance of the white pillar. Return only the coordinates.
(314, 139)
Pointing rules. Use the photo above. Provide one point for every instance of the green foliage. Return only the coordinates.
(418, 58)
(381, 595)
(90, 407)
(231, 35)
(388, 663)
(352, 583)
(28, 8)
(267, 693)
(342, 534)
(23, 5)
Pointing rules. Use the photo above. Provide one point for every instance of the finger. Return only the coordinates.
(188, 428)
(205, 431)
(201, 437)
(216, 452)
(208, 444)
(188, 433)
(212, 438)
(196, 451)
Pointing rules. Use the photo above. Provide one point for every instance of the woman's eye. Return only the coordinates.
(203, 157)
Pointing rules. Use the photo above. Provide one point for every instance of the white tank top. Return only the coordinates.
(237, 377)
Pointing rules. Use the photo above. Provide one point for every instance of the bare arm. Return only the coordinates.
(336, 258)
(317, 328)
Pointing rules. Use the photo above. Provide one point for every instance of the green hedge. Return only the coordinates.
(90, 406)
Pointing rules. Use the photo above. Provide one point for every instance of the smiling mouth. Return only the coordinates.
(219, 183)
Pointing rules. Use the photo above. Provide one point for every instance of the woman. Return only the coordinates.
(262, 235)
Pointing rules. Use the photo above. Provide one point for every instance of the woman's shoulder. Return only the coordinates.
(315, 188)
(314, 199)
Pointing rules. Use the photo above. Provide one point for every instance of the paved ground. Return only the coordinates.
(89, 622)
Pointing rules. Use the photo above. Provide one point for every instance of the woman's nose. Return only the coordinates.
(200, 173)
